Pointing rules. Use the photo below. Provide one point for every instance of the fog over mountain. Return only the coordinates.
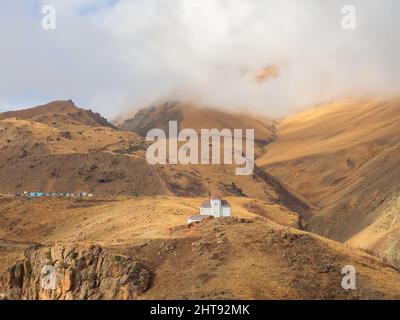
(117, 55)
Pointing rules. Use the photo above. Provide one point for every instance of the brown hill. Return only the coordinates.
(344, 166)
(254, 259)
(59, 113)
(73, 156)
(192, 180)
(58, 147)
(195, 117)
(246, 257)
(344, 157)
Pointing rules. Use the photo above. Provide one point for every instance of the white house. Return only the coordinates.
(215, 207)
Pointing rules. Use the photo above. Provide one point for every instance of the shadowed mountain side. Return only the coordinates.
(197, 118)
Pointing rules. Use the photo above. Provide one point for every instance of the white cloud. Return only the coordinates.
(113, 55)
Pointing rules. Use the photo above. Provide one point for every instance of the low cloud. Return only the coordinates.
(114, 55)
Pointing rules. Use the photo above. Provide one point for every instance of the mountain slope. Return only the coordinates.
(254, 259)
(59, 113)
(344, 157)
(38, 154)
(346, 167)
(202, 179)
(61, 148)
(251, 258)
(191, 116)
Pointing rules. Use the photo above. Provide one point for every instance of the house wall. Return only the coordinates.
(216, 208)
(205, 211)
(226, 211)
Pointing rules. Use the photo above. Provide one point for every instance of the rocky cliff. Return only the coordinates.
(79, 272)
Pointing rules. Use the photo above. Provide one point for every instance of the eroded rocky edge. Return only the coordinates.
(83, 272)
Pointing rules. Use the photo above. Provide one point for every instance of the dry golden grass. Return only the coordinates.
(344, 157)
(257, 259)
(254, 257)
(115, 220)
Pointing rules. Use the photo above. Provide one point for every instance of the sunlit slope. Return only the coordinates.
(344, 157)
(257, 254)
(41, 153)
(47, 149)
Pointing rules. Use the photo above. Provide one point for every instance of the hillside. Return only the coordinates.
(254, 259)
(119, 248)
(196, 117)
(330, 170)
(344, 157)
(86, 156)
(58, 114)
(72, 158)
(194, 180)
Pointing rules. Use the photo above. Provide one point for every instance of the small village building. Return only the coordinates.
(215, 207)
(36, 194)
(55, 194)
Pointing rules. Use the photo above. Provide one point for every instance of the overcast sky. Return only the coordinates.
(114, 56)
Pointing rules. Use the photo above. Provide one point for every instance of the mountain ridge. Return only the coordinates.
(56, 112)
(343, 156)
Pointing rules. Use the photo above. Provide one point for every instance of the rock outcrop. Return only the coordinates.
(74, 272)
